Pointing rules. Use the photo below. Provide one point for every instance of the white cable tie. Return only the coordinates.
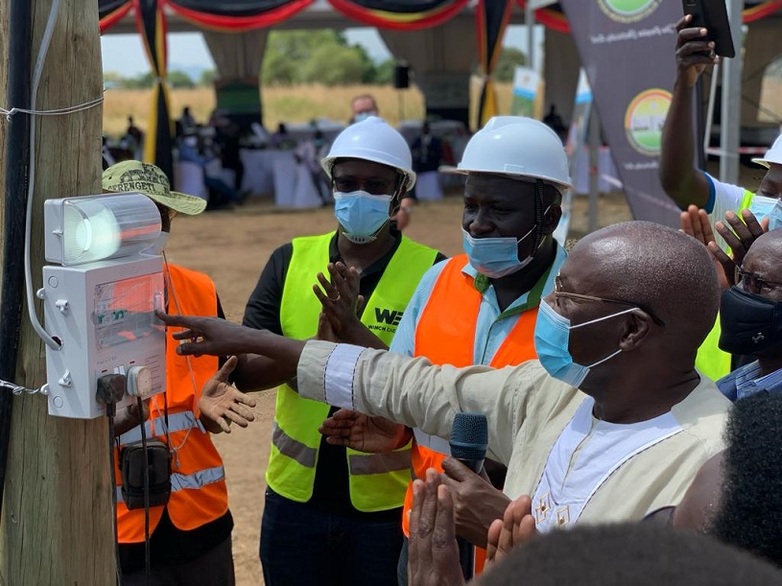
(55, 112)
(18, 389)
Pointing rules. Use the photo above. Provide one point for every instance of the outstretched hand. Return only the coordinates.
(363, 433)
(516, 527)
(222, 404)
(433, 551)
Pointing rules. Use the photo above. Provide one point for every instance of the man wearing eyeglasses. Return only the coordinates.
(327, 507)
(751, 318)
(610, 423)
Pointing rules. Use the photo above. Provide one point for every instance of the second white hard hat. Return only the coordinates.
(373, 140)
(773, 155)
(518, 147)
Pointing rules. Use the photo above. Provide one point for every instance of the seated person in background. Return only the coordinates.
(427, 153)
(310, 152)
(281, 139)
(611, 422)
(221, 195)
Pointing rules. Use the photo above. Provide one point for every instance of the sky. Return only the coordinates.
(125, 55)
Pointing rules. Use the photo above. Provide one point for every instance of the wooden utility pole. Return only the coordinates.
(56, 525)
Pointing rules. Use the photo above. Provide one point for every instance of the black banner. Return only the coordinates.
(627, 50)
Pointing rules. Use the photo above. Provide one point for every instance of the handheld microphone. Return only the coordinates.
(469, 441)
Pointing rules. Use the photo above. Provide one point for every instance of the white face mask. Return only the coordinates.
(159, 245)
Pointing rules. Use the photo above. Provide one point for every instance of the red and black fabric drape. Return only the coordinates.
(761, 11)
(111, 12)
(237, 15)
(400, 14)
(551, 17)
(151, 24)
(492, 18)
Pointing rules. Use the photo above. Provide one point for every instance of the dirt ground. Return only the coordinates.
(232, 247)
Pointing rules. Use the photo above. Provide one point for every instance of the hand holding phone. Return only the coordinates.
(713, 16)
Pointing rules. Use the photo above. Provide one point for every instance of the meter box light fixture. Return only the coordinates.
(100, 299)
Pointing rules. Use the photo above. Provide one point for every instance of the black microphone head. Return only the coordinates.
(469, 436)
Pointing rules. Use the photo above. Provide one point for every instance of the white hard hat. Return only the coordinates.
(517, 146)
(373, 140)
(773, 155)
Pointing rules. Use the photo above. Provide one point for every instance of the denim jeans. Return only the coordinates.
(304, 545)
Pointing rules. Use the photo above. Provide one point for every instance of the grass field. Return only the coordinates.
(280, 104)
(303, 103)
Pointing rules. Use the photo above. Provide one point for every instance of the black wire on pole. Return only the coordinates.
(16, 181)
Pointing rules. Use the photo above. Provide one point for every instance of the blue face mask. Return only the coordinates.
(761, 206)
(495, 257)
(775, 216)
(361, 214)
(552, 344)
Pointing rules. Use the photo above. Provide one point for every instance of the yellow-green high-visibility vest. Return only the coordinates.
(377, 481)
(710, 360)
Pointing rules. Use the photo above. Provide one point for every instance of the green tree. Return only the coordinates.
(208, 77)
(141, 81)
(510, 58)
(180, 79)
(320, 56)
(384, 72)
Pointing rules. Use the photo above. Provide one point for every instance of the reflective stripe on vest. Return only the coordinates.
(445, 334)
(377, 481)
(157, 427)
(191, 481)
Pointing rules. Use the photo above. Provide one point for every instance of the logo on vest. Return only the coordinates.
(386, 320)
(628, 10)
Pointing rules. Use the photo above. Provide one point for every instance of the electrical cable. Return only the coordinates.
(110, 412)
(147, 554)
(39, 62)
(19, 36)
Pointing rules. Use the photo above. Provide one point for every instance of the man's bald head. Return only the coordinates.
(660, 268)
(767, 247)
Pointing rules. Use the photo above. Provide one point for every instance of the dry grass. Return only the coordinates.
(303, 103)
(281, 104)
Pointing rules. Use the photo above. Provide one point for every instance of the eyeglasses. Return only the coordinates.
(558, 292)
(753, 283)
(371, 186)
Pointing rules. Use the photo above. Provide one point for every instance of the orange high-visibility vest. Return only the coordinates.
(445, 334)
(198, 491)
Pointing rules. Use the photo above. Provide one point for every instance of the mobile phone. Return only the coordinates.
(713, 16)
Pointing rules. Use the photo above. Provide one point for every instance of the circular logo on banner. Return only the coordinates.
(628, 10)
(644, 120)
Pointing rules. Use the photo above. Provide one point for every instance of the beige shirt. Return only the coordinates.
(527, 411)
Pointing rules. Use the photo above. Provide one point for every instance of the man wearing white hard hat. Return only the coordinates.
(332, 514)
(684, 183)
(480, 307)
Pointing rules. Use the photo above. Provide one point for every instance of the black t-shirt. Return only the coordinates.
(331, 491)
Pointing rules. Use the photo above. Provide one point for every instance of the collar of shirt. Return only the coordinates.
(380, 264)
(745, 381)
(483, 285)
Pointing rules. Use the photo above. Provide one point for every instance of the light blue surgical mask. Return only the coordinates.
(761, 206)
(495, 257)
(552, 344)
(775, 216)
(361, 214)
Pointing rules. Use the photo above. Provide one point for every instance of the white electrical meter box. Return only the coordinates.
(103, 314)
